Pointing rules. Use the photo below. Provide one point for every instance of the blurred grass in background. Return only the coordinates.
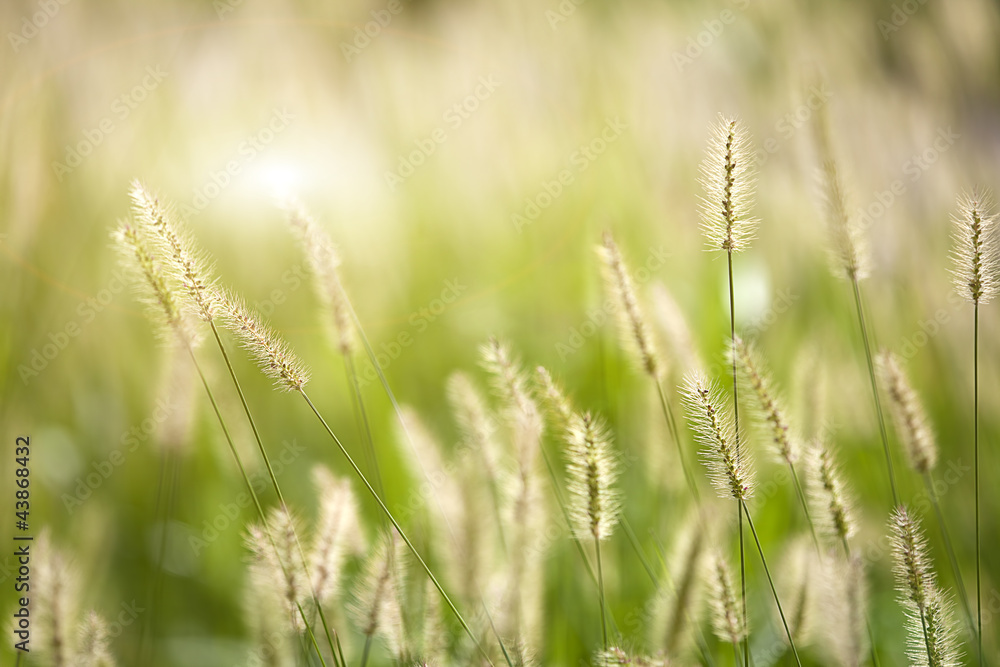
(275, 89)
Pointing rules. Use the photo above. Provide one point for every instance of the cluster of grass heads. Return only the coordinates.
(459, 575)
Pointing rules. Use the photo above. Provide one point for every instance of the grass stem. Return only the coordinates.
(878, 403)
(399, 529)
(774, 592)
(736, 415)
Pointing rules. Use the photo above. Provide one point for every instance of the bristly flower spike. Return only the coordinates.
(727, 175)
(632, 323)
(271, 353)
(977, 253)
(730, 471)
(183, 263)
(908, 414)
(932, 638)
(595, 502)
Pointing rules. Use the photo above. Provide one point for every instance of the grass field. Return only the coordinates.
(466, 160)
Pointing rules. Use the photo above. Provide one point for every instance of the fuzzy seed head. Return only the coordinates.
(727, 620)
(674, 325)
(94, 642)
(848, 246)
(616, 655)
(932, 636)
(152, 285)
(475, 421)
(680, 602)
(554, 399)
(592, 471)
(338, 533)
(271, 353)
(324, 263)
(376, 607)
(844, 599)
(830, 504)
(769, 406)
(908, 414)
(727, 175)
(730, 471)
(182, 263)
(632, 326)
(976, 254)
(53, 604)
(521, 412)
(277, 565)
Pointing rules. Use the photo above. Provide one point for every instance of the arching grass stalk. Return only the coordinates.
(399, 415)
(736, 441)
(260, 510)
(915, 433)
(770, 581)
(849, 253)
(874, 385)
(783, 441)
(395, 524)
(727, 175)
(636, 337)
(977, 280)
(234, 310)
(161, 260)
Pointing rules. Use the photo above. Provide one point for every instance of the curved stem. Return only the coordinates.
(668, 414)
(399, 529)
(875, 397)
(736, 415)
(774, 592)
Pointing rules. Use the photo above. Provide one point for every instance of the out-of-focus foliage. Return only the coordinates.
(465, 157)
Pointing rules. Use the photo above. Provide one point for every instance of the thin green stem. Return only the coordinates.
(363, 426)
(774, 592)
(250, 489)
(399, 415)
(878, 403)
(395, 524)
(600, 588)
(975, 419)
(366, 651)
(871, 631)
(672, 425)
(274, 479)
(736, 415)
(950, 550)
(805, 505)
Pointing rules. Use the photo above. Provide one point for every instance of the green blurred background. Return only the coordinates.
(293, 95)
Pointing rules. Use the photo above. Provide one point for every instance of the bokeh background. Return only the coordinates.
(486, 103)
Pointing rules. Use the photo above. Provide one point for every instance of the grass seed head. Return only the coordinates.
(728, 177)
